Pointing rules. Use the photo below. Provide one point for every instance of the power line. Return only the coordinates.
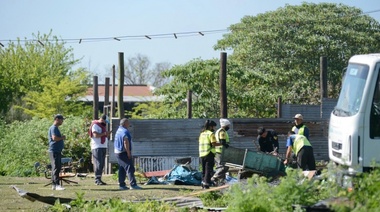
(144, 37)
(132, 37)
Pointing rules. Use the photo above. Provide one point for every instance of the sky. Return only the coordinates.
(133, 19)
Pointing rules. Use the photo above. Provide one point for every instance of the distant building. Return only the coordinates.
(132, 94)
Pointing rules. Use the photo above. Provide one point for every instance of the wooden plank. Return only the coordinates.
(156, 173)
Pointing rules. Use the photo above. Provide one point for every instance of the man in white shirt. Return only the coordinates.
(99, 140)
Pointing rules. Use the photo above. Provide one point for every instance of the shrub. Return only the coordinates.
(24, 143)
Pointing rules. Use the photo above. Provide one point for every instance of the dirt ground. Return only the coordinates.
(12, 201)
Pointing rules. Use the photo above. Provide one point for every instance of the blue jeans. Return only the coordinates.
(126, 167)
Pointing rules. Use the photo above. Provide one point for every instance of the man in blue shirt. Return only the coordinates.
(123, 152)
(56, 143)
(302, 148)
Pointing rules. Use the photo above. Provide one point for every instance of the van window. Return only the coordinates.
(351, 94)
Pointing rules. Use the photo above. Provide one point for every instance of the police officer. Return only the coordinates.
(267, 140)
(207, 142)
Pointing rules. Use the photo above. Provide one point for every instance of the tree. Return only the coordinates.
(33, 70)
(137, 71)
(274, 54)
(202, 78)
(57, 97)
(158, 79)
(282, 48)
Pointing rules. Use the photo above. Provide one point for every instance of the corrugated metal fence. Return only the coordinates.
(158, 143)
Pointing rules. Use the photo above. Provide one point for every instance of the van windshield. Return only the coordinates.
(351, 94)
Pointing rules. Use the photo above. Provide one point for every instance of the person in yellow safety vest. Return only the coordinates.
(300, 128)
(303, 150)
(207, 142)
(222, 138)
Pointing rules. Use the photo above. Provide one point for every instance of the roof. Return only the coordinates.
(132, 93)
(129, 90)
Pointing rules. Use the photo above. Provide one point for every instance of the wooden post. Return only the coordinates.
(106, 95)
(95, 97)
(323, 76)
(106, 107)
(279, 107)
(223, 84)
(120, 100)
(113, 93)
(189, 104)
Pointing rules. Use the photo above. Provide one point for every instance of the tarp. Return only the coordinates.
(184, 175)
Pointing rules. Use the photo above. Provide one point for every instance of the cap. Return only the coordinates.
(224, 122)
(105, 118)
(298, 116)
(58, 116)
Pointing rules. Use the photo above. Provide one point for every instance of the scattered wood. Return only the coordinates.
(155, 173)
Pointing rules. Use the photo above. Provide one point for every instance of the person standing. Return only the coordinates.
(56, 144)
(99, 144)
(303, 150)
(223, 139)
(300, 128)
(123, 152)
(268, 140)
(207, 142)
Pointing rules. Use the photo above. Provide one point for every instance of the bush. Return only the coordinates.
(262, 194)
(114, 204)
(25, 143)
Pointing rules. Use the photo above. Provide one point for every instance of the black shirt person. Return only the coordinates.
(267, 140)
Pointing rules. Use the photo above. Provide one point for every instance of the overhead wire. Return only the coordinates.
(142, 37)
(131, 37)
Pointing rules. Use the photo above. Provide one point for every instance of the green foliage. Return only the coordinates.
(282, 48)
(26, 143)
(366, 191)
(42, 74)
(202, 78)
(113, 205)
(261, 195)
(57, 96)
(215, 199)
(149, 110)
(274, 54)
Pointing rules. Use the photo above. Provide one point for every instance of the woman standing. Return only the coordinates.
(207, 141)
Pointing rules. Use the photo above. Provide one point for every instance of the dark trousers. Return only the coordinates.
(207, 167)
(56, 165)
(98, 160)
(126, 167)
(305, 158)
